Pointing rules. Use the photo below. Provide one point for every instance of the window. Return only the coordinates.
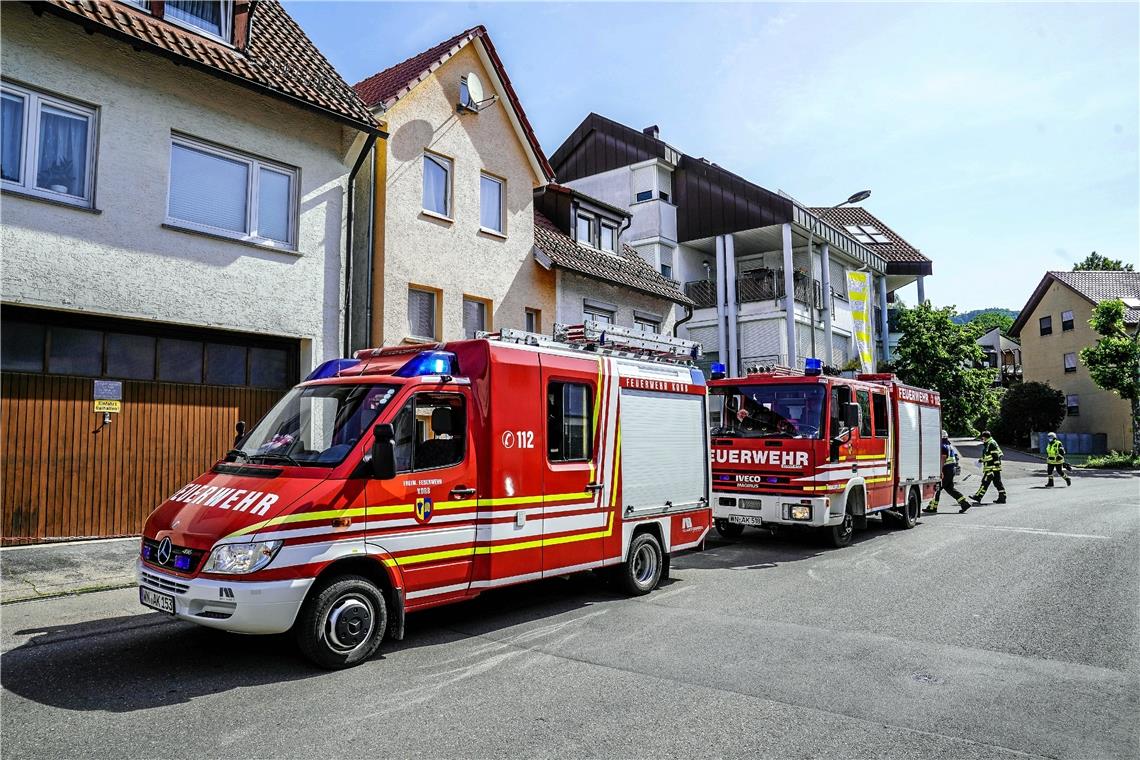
(609, 238)
(879, 402)
(647, 324)
(130, 356)
(431, 432)
(866, 233)
(667, 271)
(1073, 405)
(474, 316)
(180, 361)
(421, 313)
(491, 203)
(644, 195)
(225, 364)
(47, 146)
(1071, 362)
(568, 423)
(232, 194)
(666, 254)
(1046, 325)
(768, 411)
(584, 228)
(212, 17)
(437, 184)
(838, 274)
(533, 320)
(598, 314)
(864, 399)
(1066, 321)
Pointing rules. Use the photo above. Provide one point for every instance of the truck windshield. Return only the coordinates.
(768, 411)
(316, 426)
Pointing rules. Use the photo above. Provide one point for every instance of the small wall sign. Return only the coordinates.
(108, 405)
(108, 389)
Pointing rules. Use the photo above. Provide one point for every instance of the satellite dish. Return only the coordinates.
(470, 92)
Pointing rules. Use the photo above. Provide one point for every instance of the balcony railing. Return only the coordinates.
(702, 293)
(758, 285)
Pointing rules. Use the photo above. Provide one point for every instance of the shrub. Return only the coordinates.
(1029, 407)
(1114, 460)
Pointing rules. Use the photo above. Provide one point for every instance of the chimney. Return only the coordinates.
(652, 131)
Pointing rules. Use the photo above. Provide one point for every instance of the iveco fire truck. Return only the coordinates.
(803, 449)
(410, 477)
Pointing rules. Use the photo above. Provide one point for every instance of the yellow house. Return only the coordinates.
(1054, 327)
(453, 199)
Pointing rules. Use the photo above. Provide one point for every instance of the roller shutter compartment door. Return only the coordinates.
(663, 453)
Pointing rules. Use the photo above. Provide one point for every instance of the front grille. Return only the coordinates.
(164, 584)
(181, 560)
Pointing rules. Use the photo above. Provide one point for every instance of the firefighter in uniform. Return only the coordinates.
(950, 468)
(991, 470)
(1055, 460)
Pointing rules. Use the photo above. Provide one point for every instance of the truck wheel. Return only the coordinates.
(727, 529)
(840, 535)
(342, 624)
(909, 517)
(642, 570)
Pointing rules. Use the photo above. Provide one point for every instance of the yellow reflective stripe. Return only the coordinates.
(870, 456)
(597, 400)
(878, 480)
(300, 517)
(417, 558)
(617, 464)
(504, 501)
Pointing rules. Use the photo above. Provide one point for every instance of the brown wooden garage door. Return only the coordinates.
(61, 480)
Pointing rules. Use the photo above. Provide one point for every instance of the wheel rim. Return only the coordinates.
(847, 528)
(349, 623)
(912, 506)
(644, 565)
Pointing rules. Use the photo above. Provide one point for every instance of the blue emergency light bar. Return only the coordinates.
(430, 363)
(718, 371)
(813, 366)
(331, 368)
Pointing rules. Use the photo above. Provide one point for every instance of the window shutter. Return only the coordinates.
(208, 189)
(643, 181)
(421, 313)
(838, 277)
(665, 182)
(474, 317)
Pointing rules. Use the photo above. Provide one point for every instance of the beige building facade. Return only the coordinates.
(453, 202)
(1053, 329)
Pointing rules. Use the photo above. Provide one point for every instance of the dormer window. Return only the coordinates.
(585, 230)
(214, 18)
(609, 238)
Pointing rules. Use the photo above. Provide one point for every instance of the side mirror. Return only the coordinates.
(239, 428)
(383, 464)
(851, 415)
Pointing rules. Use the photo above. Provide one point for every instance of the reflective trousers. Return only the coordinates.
(947, 486)
(993, 476)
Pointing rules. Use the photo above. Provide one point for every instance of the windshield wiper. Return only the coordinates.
(235, 453)
(275, 456)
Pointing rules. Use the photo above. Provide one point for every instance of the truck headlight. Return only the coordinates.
(241, 558)
(797, 512)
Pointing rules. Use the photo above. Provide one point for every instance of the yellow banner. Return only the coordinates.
(859, 295)
(107, 405)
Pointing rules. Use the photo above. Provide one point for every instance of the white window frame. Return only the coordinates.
(612, 228)
(255, 165)
(448, 166)
(227, 25)
(593, 224)
(502, 230)
(590, 311)
(30, 147)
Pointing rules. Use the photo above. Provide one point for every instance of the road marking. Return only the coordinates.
(1038, 531)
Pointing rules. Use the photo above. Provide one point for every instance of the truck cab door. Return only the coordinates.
(872, 455)
(436, 477)
(577, 486)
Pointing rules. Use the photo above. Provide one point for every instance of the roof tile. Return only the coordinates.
(896, 250)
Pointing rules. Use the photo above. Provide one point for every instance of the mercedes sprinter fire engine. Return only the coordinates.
(410, 477)
(803, 449)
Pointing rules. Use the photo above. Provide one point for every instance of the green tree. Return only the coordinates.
(936, 353)
(988, 320)
(1027, 408)
(1094, 262)
(1114, 360)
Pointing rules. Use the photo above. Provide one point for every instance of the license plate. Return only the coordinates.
(156, 601)
(744, 519)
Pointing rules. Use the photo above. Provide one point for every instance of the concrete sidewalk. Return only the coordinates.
(42, 570)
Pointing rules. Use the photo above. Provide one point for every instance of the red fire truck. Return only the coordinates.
(411, 477)
(802, 449)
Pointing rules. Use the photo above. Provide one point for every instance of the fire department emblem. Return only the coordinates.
(423, 509)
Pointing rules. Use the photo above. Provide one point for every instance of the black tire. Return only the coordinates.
(727, 529)
(840, 535)
(342, 622)
(911, 510)
(641, 571)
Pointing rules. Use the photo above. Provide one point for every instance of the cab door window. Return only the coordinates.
(879, 401)
(569, 429)
(431, 432)
(864, 399)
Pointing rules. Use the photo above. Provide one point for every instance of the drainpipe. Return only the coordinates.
(688, 315)
(364, 152)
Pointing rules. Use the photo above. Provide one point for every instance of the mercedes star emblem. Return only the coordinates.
(164, 551)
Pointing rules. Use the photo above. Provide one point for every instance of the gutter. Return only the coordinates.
(369, 142)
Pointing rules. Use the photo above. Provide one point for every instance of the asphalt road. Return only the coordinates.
(1009, 631)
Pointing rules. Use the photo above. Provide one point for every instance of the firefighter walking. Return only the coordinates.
(950, 468)
(991, 470)
(1055, 460)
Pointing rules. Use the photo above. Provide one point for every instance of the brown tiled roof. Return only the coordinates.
(278, 59)
(386, 87)
(626, 268)
(896, 250)
(1094, 287)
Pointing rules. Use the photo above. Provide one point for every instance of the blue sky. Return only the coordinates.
(1000, 139)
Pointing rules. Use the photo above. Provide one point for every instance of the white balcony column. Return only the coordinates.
(730, 292)
(921, 290)
(825, 285)
(721, 306)
(884, 329)
(789, 294)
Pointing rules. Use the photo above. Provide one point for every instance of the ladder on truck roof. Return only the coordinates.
(601, 337)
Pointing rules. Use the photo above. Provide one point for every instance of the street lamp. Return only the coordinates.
(858, 197)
